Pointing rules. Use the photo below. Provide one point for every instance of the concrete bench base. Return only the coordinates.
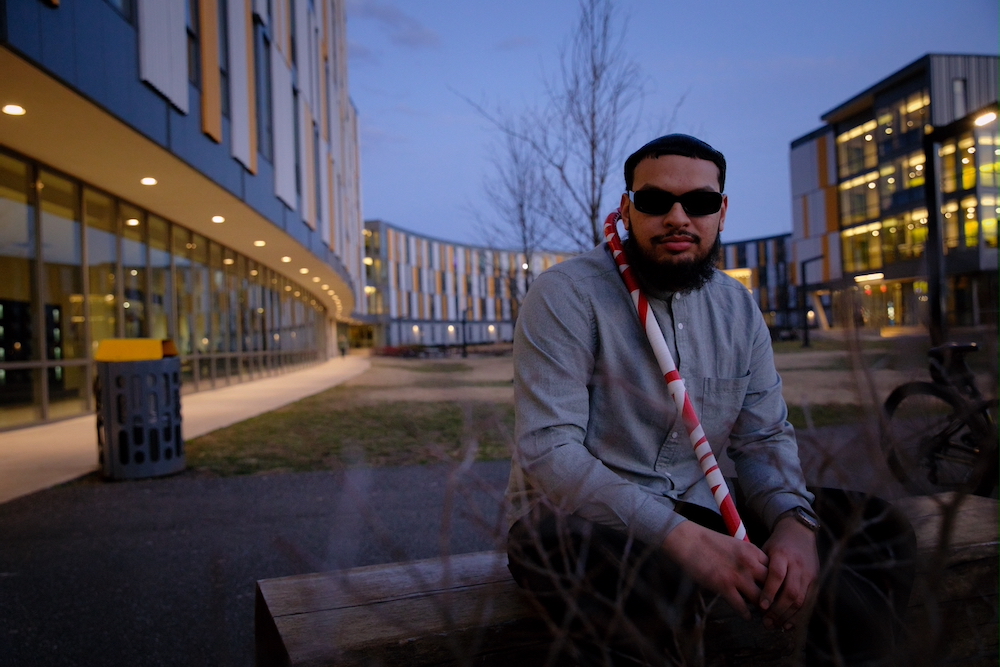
(466, 609)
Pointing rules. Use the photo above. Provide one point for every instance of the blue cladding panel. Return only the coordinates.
(296, 228)
(91, 47)
(107, 53)
(259, 190)
(189, 143)
(57, 36)
(24, 27)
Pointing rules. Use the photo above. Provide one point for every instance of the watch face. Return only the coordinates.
(806, 519)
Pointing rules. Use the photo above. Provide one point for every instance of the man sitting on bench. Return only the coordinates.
(613, 526)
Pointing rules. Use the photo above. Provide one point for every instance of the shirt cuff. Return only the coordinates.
(655, 522)
(780, 503)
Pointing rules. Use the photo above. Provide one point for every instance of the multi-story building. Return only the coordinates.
(425, 291)
(183, 169)
(863, 208)
(762, 265)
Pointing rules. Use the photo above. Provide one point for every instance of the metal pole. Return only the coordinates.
(935, 248)
(465, 350)
(803, 300)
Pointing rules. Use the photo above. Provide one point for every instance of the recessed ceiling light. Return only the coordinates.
(286, 259)
(228, 260)
(303, 270)
(132, 222)
(14, 110)
(260, 244)
(324, 286)
(315, 279)
(217, 219)
(148, 180)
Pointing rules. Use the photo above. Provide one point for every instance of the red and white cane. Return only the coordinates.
(675, 385)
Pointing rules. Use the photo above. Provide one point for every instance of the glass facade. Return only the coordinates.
(80, 266)
(882, 168)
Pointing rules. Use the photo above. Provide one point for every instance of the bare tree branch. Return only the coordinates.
(591, 112)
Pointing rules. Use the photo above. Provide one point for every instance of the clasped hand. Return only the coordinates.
(780, 578)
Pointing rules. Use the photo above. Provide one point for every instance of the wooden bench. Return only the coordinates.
(466, 609)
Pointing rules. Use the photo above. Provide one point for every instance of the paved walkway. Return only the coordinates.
(36, 458)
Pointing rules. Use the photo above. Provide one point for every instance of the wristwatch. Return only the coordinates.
(804, 517)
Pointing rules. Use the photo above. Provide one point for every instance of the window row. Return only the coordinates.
(80, 266)
(965, 224)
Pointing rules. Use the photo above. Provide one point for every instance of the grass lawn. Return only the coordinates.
(823, 415)
(339, 428)
(371, 421)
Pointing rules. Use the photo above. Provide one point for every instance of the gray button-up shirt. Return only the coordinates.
(596, 431)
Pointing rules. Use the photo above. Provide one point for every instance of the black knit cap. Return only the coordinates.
(676, 144)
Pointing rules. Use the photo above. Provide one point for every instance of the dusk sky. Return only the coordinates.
(753, 76)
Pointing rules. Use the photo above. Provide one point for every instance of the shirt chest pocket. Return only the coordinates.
(718, 406)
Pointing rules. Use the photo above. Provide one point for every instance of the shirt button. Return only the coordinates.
(673, 436)
(680, 325)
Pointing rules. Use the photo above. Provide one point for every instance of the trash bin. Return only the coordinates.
(138, 392)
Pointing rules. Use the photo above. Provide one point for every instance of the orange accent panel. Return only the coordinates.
(832, 209)
(211, 84)
(251, 85)
(822, 157)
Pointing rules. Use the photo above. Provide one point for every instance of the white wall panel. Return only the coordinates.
(804, 168)
(284, 129)
(324, 191)
(816, 201)
(240, 71)
(163, 49)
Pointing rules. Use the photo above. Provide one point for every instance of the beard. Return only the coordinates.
(684, 276)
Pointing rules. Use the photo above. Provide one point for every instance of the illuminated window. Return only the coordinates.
(968, 213)
(951, 222)
(862, 247)
(857, 149)
(966, 159)
(988, 157)
(949, 179)
(859, 199)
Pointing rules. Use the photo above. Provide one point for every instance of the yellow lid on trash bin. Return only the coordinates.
(129, 349)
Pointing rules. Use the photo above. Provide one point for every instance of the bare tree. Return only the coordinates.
(579, 136)
(592, 112)
(516, 196)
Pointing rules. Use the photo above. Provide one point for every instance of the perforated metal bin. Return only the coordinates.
(139, 418)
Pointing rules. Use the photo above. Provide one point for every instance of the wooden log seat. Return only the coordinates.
(466, 609)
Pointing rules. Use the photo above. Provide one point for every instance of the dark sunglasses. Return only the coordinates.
(659, 202)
